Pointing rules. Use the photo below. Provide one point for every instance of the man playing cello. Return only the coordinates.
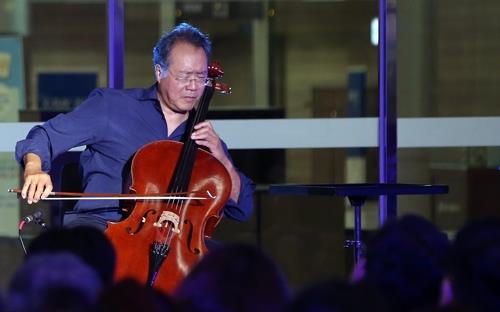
(114, 124)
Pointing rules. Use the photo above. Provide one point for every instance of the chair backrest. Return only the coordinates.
(66, 177)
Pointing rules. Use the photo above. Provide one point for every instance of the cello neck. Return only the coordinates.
(182, 174)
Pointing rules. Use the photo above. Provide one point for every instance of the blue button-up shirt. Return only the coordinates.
(113, 124)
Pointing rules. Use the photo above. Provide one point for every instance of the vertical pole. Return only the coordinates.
(116, 43)
(357, 202)
(357, 233)
(260, 58)
(387, 126)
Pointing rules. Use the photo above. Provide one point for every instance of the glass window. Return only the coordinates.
(292, 55)
(448, 58)
(447, 67)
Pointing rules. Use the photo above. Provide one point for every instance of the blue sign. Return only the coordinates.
(62, 92)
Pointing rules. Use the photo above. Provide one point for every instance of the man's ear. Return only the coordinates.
(158, 72)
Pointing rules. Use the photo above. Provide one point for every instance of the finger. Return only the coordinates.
(46, 192)
(210, 144)
(211, 132)
(205, 133)
(204, 143)
(31, 192)
(209, 136)
(200, 134)
(202, 124)
(24, 190)
(39, 190)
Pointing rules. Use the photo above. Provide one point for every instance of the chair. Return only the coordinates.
(66, 177)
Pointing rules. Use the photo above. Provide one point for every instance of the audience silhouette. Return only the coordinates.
(407, 261)
(406, 264)
(53, 282)
(88, 243)
(475, 266)
(234, 278)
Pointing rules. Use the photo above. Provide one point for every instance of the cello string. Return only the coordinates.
(179, 183)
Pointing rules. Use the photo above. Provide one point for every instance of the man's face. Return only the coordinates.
(181, 86)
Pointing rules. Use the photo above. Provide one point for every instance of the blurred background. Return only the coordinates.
(289, 60)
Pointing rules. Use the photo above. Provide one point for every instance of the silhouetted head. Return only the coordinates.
(475, 265)
(407, 261)
(88, 243)
(234, 278)
(53, 282)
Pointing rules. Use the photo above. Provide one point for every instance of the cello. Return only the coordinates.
(161, 240)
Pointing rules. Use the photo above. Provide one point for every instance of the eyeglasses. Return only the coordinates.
(185, 79)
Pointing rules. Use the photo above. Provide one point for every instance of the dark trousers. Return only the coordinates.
(81, 219)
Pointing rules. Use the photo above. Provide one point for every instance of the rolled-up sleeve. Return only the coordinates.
(243, 209)
(36, 142)
(80, 127)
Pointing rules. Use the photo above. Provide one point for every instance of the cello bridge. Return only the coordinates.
(169, 217)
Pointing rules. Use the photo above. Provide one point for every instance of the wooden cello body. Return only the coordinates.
(161, 240)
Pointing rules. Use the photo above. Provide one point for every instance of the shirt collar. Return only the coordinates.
(150, 93)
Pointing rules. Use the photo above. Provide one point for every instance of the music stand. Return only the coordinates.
(357, 193)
